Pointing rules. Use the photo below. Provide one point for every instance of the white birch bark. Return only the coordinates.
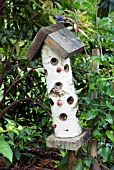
(60, 88)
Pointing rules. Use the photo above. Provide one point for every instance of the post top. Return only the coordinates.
(58, 38)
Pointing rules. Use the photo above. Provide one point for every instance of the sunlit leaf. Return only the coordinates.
(1, 130)
(109, 106)
(110, 135)
(109, 118)
(91, 114)
(52, 19)
(6, 150)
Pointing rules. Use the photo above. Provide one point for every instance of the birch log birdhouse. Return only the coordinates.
(56, 44)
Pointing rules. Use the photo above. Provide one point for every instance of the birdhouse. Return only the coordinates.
(56, 44)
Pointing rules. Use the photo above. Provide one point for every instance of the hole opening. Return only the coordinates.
(46, 72)
(70, 100)
(51, 102)
(66, 68)
(58, 85)
(54, 61)
(63, 117)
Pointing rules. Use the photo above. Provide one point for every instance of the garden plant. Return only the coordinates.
(25, 115)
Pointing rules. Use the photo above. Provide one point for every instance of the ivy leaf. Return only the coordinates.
(88, 161)
(97, 134)
(109, 106)
(91, 114)
(79, 165)
(44, 121)
(6, 150)
(109, 119)
(110, 135)
(63, 163)
(105, 152)
(92, 86)
(17, 154)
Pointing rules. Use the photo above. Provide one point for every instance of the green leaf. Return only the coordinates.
(91, 114)
(110, 135)
(79, 165)
(62, 153)
(101, 84)
(91, 86)
(17, 154)
(111, 59)
(109, 106)
(88, 161)
(2, 130)
(112, 127)
(44, 121)
(96, 134)
(86, 4)
(21, 144)
(63, 162)
(6, 150)
(96, 58)
(105, 152)
(109, 118)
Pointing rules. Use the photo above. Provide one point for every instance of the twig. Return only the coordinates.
(14, 83)
(19, 101)
(12, 51)
(4, 70)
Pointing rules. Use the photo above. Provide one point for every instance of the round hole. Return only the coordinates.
(58, 85)
(66, 68)
(70, 100)
(51, 102)
(63, 116)
(45, 71)
(54, 61)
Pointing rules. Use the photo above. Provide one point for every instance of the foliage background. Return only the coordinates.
(24, 107)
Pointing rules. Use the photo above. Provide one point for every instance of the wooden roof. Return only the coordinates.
(58, 38)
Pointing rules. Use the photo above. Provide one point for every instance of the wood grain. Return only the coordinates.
(71, 159)
(35, 47)
(64, 43)
(68, 143)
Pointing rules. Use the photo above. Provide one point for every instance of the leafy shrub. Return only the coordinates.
(24, 107)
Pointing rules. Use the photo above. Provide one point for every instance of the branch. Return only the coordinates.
(2, 6)
(19, 101)
(13, 83)
(7, 60)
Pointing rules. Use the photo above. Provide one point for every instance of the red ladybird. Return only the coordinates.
(54, 125)
(59, 69)
(59, 103)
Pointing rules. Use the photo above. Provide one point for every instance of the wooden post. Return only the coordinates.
(93, 146)
(71, 144)
(95, 68)
(94, 95)
(71, 159)
(112, 85)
